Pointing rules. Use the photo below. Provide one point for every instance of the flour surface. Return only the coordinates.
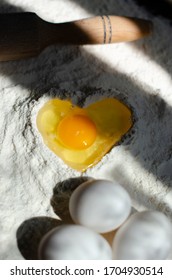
(139, 73)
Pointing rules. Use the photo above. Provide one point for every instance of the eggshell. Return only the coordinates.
(74, 242)
(145, 235)
(101, 205)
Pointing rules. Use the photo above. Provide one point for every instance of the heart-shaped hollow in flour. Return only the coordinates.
(82, 136)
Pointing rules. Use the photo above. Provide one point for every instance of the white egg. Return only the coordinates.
(74, 242)
(100, 205)
(145, 235)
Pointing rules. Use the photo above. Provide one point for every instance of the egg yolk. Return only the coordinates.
(77, 131)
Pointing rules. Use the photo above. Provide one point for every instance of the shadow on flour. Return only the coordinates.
(31, 231)
(6, 7)
(61, 195)
(162, 8)
(71, 67)
(161, 52)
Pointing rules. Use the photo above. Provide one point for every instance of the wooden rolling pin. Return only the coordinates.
(25, 35)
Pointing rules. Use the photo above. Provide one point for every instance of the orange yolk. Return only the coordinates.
(77, 132)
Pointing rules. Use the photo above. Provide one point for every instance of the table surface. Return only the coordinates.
(139, 73)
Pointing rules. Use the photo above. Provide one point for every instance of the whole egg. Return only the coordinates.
(74, 242)
(101, 205)
(145, 235)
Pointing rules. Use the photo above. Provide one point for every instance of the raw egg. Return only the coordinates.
(144, 236)
(101, 205)
(74, 242)
(82, 136)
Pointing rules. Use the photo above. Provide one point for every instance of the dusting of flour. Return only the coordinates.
(138, 73)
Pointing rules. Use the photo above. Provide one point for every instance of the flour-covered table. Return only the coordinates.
(139, 73)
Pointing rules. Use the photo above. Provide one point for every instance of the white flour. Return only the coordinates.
(139, 73)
